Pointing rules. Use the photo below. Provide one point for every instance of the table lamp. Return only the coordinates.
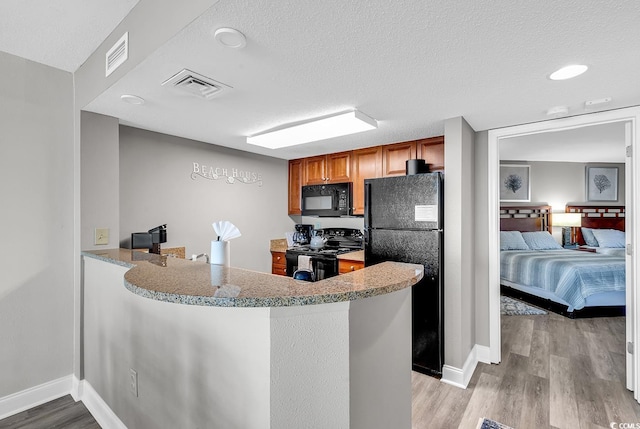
(567, 221)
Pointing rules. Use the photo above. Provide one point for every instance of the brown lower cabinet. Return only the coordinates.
(357, 165)
(278, 263)
(346, 265)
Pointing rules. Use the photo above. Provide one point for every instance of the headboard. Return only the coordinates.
(525, 218)
(598, 217)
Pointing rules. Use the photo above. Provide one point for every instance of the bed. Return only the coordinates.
(585, 281)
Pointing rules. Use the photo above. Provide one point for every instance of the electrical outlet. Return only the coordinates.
(102, 236)
(133, 381)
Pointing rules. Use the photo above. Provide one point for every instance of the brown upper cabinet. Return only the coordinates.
(395, 156)
(295, 186)
(357, 165)
(365, 164)
(432, 151)
(332, 168)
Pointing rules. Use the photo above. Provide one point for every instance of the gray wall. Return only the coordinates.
(156, 187)
(100, 200)
(559, 183)
(459, 241)
(481, 218)
(37, 185)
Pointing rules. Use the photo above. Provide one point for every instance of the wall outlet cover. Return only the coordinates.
(102, 236)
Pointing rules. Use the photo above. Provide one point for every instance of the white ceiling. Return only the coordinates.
(409, 64)
(594, 143)
(58, 33)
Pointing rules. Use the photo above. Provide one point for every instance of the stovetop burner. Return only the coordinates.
(307, 250)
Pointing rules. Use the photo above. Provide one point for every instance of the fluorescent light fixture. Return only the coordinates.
(566, 219)
(568, 72)
(340, 124)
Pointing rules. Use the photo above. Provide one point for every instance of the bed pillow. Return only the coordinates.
(609, 237)
(540, 240)
(512, 240)
(589, 238)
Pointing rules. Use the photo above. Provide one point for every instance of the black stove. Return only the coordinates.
(324, 261)
(307, 250)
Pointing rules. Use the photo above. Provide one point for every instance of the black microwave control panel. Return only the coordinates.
(343, 200)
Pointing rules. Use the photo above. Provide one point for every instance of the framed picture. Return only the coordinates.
(515, 184)
(602, 183)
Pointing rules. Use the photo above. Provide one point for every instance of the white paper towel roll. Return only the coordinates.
(220, 252)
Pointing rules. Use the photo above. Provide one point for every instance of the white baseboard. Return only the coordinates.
(99, 409)
(483, 353)
(80, 390)
(34, 396)
(460, 377)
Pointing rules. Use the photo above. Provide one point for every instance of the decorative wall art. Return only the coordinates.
(228, 175)
(602, 183)
(514, 183)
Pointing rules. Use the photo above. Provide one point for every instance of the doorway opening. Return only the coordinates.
(629, 119)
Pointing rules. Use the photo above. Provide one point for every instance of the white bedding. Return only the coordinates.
(613, 251)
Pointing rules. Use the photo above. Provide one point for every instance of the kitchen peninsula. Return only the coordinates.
(250, 349)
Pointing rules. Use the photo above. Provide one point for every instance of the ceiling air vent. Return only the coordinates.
(117, 55)
(196, 84)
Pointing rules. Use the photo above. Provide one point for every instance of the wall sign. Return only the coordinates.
(229, 175)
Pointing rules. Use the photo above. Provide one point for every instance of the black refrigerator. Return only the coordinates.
(403, 222)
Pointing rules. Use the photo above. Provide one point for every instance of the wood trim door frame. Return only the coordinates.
(629, 116)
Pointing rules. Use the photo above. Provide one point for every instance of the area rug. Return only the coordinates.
(490, 424)
(513, 307)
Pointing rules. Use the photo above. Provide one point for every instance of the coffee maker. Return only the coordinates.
(302, 235)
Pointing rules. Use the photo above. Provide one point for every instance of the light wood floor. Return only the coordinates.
(60, 413)
(555, 373)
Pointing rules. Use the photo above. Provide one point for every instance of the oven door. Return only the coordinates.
(323, 266)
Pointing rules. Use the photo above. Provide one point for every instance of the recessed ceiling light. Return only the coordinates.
(568, 72)
(132, 99)
(336, 125)
(230, 38)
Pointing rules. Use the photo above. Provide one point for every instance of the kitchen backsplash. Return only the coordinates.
(331, 222)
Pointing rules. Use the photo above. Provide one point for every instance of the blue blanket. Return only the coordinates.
(571, 275)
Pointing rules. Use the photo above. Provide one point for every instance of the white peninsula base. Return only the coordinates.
(336, 365)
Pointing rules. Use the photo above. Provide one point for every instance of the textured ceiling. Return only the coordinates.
(58, 33)
(409, 64)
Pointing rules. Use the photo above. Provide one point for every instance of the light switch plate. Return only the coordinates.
(102, 236)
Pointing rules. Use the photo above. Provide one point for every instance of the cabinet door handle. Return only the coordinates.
(278, 258)
(353, 268)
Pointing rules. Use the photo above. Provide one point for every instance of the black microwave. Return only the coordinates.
(331, 200)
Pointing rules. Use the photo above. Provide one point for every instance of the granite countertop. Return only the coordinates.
(278, 245)
(198, 283)
(357, 255)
